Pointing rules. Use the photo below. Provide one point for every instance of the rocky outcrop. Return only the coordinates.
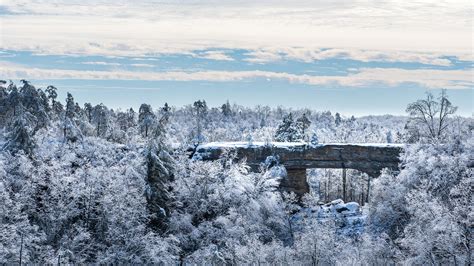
(297, 157)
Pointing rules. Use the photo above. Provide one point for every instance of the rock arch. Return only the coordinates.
(297, 157)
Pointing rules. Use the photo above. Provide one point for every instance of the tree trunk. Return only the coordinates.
(326, 191)
(344, 188)
(21, 247)
(368, 189)
(329, 186)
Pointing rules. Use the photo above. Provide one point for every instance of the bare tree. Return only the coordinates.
(431, 115)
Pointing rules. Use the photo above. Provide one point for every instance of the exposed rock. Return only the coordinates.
(298, 157)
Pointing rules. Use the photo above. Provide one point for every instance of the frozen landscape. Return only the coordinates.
(89, 184)
(236, 132)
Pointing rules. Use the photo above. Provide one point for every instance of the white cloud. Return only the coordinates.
(450, 79)
(264, 56)
(309, 55)
(407, 31)
(214, 55)
(142, 65)
(100, 63)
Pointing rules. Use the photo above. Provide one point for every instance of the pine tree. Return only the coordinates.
(200, 108)
(314, 139)
(88, 112)
(165, 112)
(337, 119)
(160, 172)
(71, 132)
(126, 120)
(52, 94)
(100, 118)
(226, 109)
(287, 131)
(44, 101)
(13, 98)
(146, 118)
(70, 106)
(70, 129)
(21, 136)
(302, 124)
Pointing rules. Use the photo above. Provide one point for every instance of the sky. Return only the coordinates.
(353, 57)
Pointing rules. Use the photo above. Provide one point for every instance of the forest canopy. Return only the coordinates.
(83, 183)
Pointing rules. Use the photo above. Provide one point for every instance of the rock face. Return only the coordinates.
(297, 157)
(295, 181)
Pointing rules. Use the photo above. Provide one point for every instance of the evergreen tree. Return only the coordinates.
(314, 139)
(100, 118)
(77, 109)
(58, 108)
(71, 132)
(160, 172)
(3, 101)
(13, 99)
(70, 106)
(88, 112)
(126, 120)
(226, 109)
(146, 118)
(21, 136)
(200, 108)
(44, 101)
(131, 118)
(70, 129)
(287, 131)
(165, 112)
(337, 119)
(52, 94)
(302, 124)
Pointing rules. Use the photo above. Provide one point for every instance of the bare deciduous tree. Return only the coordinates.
(431, 115)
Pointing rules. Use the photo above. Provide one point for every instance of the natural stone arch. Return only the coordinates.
(297, 157)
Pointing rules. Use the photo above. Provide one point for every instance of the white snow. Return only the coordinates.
(256, 144)
(349, 217)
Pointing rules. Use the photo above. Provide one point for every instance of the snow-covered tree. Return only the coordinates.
(430, 117)
(200, 109)
(88, 111)
(337, 119)
(288, 130)
(70, 107)
(226, 109)
(121, 197)
(21, 136)
(303, 123)
(314, 139)
(146, 119)
(160, 172)
(389, 137)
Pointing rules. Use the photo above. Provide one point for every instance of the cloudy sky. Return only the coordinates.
(355, 57)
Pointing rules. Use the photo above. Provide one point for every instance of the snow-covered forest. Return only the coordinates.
(83, 183)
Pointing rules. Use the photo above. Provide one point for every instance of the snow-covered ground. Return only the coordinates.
(244, 144)
(349, 217)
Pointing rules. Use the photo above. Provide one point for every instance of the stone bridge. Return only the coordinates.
(297, 157)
